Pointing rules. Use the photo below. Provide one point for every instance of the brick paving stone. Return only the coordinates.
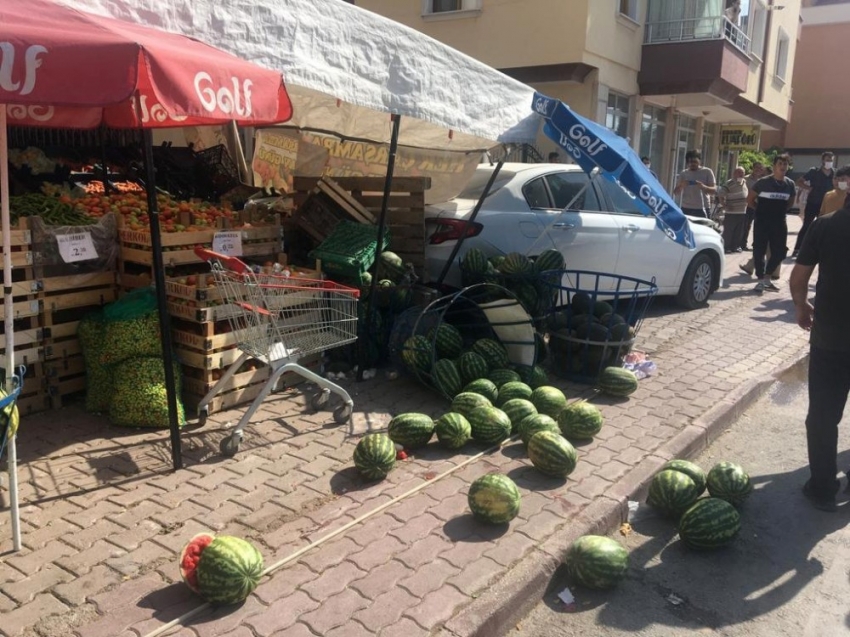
(178, 515)
(405, 628)
(175, 497)
(218, 519)
(129, 517)
(115, 601)
(330, 554)
(27, 615)
(221, 621)
(429, 577)
(332, 580)
(541, 525)
(450, 507)
(35, 539)
(386, 610)
(251, 482)
(437, 607)
(137, 561)
(469, 549)
(351, 629)
(77, 590)
(81, 562)
(381, 579)
(7, 604)
(510, 548)
(334, 611)
(613, 470)
(87, 517)
(142, 492)
(284, 582)
(33, 561)
(25, 590)
(412, 506)
(130, 539)
(476, 576)
(417, 528)
(42, 515)
(424, 551)
(296, 630)
(380, 552)
(374, 529)
(592, 486)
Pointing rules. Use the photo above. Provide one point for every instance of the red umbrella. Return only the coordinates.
(64, 68)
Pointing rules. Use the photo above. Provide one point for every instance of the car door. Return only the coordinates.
(585, 234)
(646, 253)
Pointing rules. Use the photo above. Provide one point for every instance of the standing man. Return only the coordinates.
(733, 196)
(772, 197)
(834, 199)
(695, 184)
(817, 182)
(826, 246)
(756, 173)
(648, 163)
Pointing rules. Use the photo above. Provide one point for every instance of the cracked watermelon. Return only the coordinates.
(223, 570)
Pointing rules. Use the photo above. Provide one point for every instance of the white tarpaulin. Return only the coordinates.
(346, 68)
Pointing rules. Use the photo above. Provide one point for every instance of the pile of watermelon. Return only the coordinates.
(531, 280)
(703, 523)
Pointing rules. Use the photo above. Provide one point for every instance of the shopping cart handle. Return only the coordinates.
(231, 263)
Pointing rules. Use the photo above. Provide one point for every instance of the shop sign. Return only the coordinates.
(740, 137)
(76, 247)
(228, 243)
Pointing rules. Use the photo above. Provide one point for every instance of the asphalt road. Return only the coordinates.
(785, 575)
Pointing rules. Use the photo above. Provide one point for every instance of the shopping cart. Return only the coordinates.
(279, 320)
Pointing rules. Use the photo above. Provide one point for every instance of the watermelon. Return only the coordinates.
(597, 562)
(228, 570)
(453, 430)
(472, 366)
(496, 261)
(526, 294)
(493, 352)
(466, 401)
(503, 375)
(494, 498)
(709, 524)
(516, 263)
(549, 260)
(533, 376)
(691, 470)
(549, 400)
(446, 378)
(390, 266)
(672, 492)
(484, 387)
(374, 456)
(617, 381)
(448, 341)
(580, 421)
(530, 425)
(518, 409)
(513, 389)
(411, 430)
(474, 261)
(189, 557)
(417, 354)
(490, 425)
(551, 454)
(729, 482)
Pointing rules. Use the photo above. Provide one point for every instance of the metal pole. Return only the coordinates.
(161, 302)
(472, 216)
(382, 224)
(103, 162)
(9, 319)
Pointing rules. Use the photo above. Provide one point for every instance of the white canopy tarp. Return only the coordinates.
(347, 68)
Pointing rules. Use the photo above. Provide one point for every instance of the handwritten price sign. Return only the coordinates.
(76, 247)
(228, 243)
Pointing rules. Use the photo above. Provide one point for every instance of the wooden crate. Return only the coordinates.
(325, 206)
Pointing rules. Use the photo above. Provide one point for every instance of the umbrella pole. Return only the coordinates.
(9, 324)
(161, 302)
(382, 224)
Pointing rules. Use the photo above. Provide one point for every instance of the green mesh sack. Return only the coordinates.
(139, 398)
(131, 328)
(91, 332)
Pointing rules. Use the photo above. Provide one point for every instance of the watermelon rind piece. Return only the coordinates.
(530, 425)
(490, 425)
(485, 387)
(693, 471)
(453, 430)
(728, 481)
(229, 570)
(580, 421)
(672, 492)
(709, 523)
(411, 430)
(374, 456)
(552, 454)
(494, 498)
(597, 562)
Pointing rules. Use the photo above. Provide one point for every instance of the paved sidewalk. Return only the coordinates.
(104, 519)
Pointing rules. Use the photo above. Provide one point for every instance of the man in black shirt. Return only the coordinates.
(772, 197)
(818, 182)
(826, 246)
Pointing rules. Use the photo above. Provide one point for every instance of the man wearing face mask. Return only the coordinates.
(837, 199)
(817, 182)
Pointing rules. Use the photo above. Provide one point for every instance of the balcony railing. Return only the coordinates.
(697, 29)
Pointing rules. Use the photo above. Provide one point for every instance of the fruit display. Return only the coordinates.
(139, 397)
(580, 421)
(691, 470)
(484, 387)
(551, 454)
(549, 400)
(517, 409)
(617, 381)
(466, 401)
(530, 425)
(533, 375)
(494, 498)
(374, 456)
(511, 390)
(223, 569)
(709, 523)
(453, 430)
(411, 430)
(672, 492)
(728, 481)
(490, 425)
(54, 211)
(597, 562)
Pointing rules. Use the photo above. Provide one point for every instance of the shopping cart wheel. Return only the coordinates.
(202, 416)
(342, 413)
(320, 400)
(230, 445)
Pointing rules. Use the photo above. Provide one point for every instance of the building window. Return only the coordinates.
(755, 24)
(782, 55)
(431, 7)
(629, 8)
(617, 114)
(440, 6)
(652, 129)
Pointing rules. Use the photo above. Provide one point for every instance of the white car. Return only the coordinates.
(531, 208)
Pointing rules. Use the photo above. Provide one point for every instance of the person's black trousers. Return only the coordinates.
(770, 230)
(733, 229)
(808, 218)
(829, 384)
(695, 212)
(751, 213)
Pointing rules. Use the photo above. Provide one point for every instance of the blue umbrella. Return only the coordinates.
(594, 146)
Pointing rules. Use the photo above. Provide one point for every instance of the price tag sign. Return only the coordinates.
(228, 243)
(76, 247)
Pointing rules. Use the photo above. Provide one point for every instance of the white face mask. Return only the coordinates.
(842, 185)
(827, 165)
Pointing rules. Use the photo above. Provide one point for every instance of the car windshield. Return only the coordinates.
(479, 180)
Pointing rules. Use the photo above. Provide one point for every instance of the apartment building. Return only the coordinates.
(667, 74)
(820, 95)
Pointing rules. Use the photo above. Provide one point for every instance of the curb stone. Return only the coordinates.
(510, 599)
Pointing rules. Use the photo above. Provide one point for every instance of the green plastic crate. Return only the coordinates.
(349, 251)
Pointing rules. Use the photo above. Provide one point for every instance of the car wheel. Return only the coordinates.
(697, 283)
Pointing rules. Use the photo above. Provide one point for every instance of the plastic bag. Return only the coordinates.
(131, 328)
(139, 398)
(104, 243)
